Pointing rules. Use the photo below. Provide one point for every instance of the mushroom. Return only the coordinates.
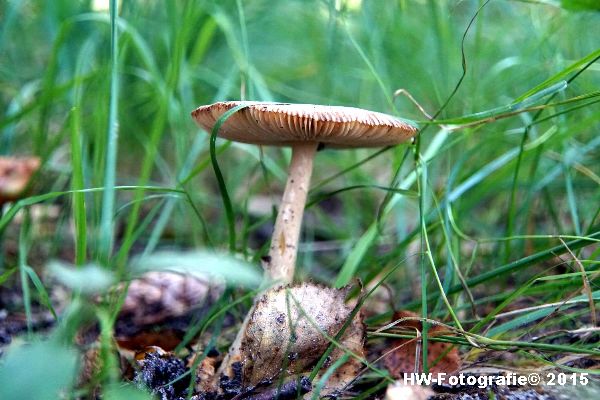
(304, 128)
(15, 174)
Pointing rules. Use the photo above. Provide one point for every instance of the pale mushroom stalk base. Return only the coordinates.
(281, 261)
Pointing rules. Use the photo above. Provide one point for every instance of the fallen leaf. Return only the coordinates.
(205, 372)
(167, 339)
(441, 356)
(91, 365)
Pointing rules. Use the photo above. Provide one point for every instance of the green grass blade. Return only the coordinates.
(325, 196)
(110, 172)
(425, 251)
(367, 239)
(221, 181)
(522, 263)
(42, 292)
(23, 251)
(536, 315)
(77, 181)
(571, 200)
(23, 203)
(578, 65)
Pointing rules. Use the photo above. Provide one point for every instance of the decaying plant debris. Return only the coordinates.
(403, 355)
(163, 373)
(288, 332)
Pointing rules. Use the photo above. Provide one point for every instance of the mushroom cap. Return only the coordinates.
(284, 124)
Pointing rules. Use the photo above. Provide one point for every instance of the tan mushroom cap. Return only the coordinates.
(283, 124)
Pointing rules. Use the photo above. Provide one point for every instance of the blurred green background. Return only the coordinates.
(55, 87)
(478, 191)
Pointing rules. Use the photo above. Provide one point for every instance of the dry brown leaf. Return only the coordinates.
(166, 339)
(441, 357)
(91, 366)
(205, 374)
(15, 173)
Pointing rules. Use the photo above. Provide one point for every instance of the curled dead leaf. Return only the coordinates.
(402, 358)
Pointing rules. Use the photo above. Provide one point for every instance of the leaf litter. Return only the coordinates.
(288, 331)
(405, 354)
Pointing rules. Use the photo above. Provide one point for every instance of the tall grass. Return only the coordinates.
(499, 215)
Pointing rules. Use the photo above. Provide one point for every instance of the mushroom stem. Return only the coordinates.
(281, 262)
